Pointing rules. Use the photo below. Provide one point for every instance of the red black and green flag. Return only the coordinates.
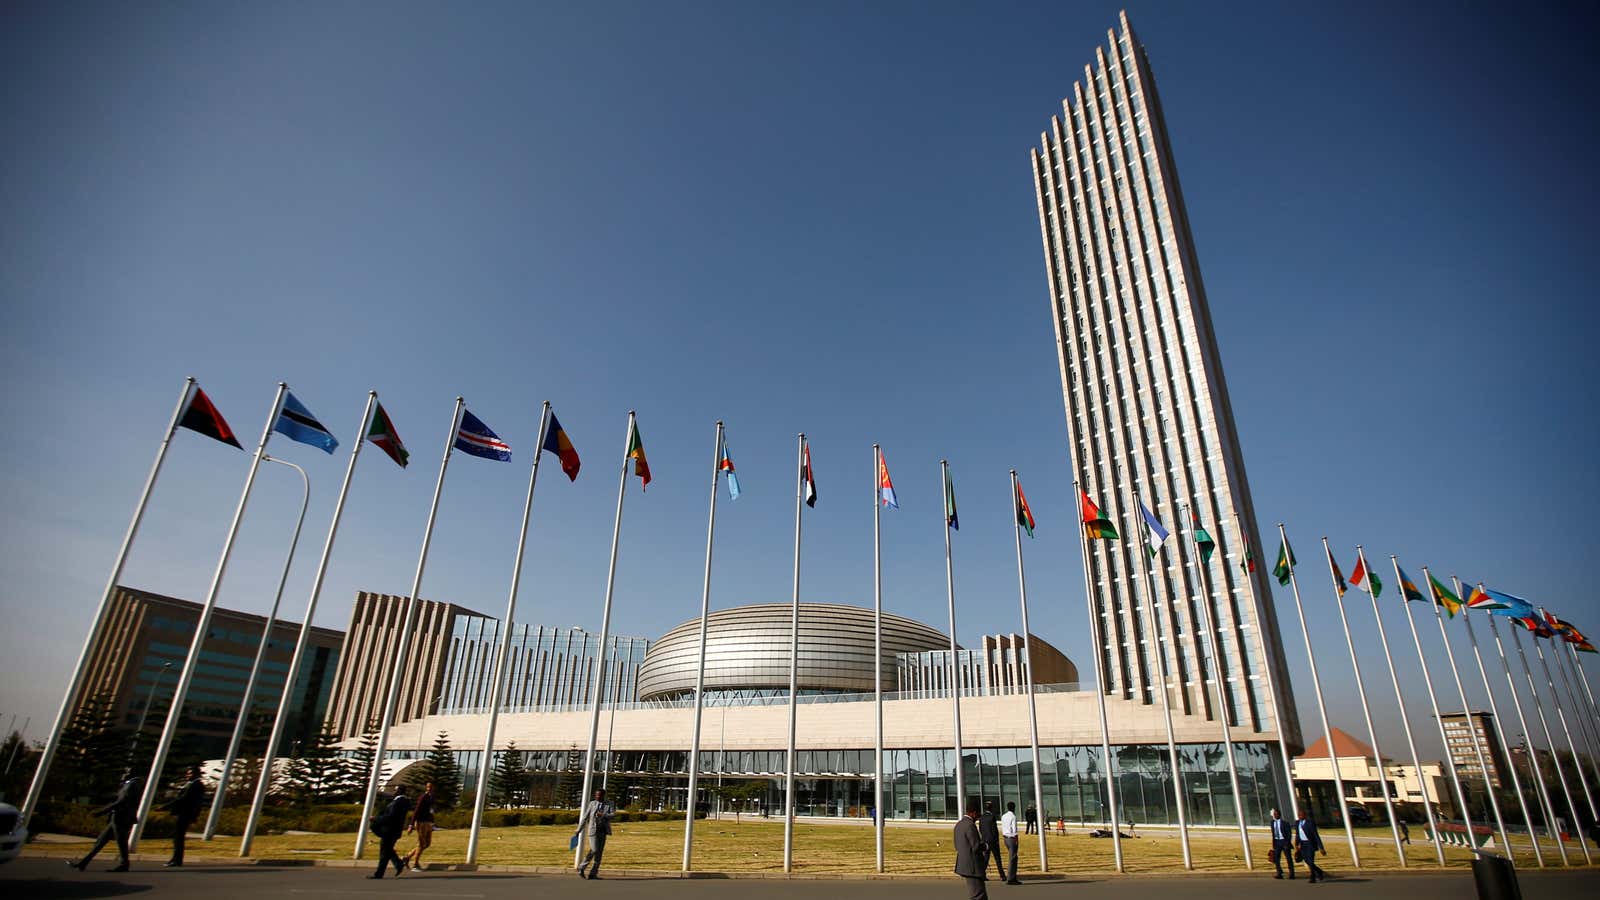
(1024, 514)
(1248, 564)
(381, 433)
(1095, 522)
(203, 417)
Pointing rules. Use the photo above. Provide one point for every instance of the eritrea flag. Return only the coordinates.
(201, 416)
(1095, 523)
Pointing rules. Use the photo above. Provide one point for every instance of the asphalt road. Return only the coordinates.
(49, 878)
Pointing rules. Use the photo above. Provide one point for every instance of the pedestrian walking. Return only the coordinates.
(972, 855)
(185, 808)
(1282, 845)
(1061, 826)
(1405, 833)
(121, 815)
(1308, 844)
(595, 823)
(989, 830)
(422, 824)
(389, 825)
(1008, 834)
(1032, 819)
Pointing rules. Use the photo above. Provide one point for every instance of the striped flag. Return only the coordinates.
(1339, 584)
(885, 486)
(641, 466)
(298, 424)
(805, 475)
(382, 434)
(1024, 514)
(557, 442)
(478, 439)
(1443, 597)
(725, 464)
(1365, 580)
(1154, 534)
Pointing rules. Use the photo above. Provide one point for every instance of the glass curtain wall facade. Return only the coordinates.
(547, 669)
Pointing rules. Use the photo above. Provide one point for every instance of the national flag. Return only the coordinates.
(1154, 534)
(1584, 647)
(1095, 522)
(1283, 570)
(1409, 589)
(1024, 514)
(885, 486)
(199, 415)
(1534, 625)
(298, 424)
(1366, 580)
(725, 464)
(1339, 584)
(950, 517)
(478, 439)
(1556, 625)
(382, 433)
(1443, 597)
(805, 475)
(1478, 598)
(641, 466)
(557, 442)
(1202, 539)
(1510, 604)
(1248, 564)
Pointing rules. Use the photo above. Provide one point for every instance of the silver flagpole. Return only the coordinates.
(1280, 706)
(1159, 645)
(877, 657)
(47, 756)
(1541, 793)
(1505, 747)
(955, 665)
(605, 631)
(280, 720)
(1433, 701)
(700, 668)
(186, 676)
(1366, 712)
(1575, 701)
(1322, 706)
(392, 698)
(497, 688)
(1218, 678)
(261, 652)
(1550, 741)
(1572, 747)
(1405, 718)
(1100, 683)
(1577, 664)
(794, 660)
(1027, 676)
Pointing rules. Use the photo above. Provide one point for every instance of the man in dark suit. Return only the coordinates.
(1282, 845)
(989, 830)
(121, 815)
(185, 807)
(972, 856)
(1308, 844)
(388, 826)
(1031, 819)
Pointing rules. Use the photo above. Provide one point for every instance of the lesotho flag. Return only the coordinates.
(298, 424)
(478, 439)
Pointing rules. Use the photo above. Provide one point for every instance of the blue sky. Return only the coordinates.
(789, 218)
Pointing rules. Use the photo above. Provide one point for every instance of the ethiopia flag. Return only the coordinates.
(1095, 522)
(199, 415)
(1364, 579)
(1443, 597)
(641, 466)
(382, 434)
(1284, 569)
(1478, 598)
(950, 517)
(1409, 589)
(1203, 540)
(1024, 514)
(557, 442)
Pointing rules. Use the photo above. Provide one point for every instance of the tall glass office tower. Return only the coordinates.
(1147, 407)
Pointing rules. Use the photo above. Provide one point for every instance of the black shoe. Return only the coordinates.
(172, 864)
(378, 876)
(1279, 875)
(595, 877)
(582, 873)
(1013, 881)
(121, 868)
(75, 864)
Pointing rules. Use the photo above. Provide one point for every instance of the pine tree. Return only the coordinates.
(358, 768)
(322, 770)
(571, 783)
(94, 752)
(652, 785)
(440, 768)
(508, 784)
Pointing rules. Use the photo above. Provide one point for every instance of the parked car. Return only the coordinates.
(1360, 816)
(12, 834)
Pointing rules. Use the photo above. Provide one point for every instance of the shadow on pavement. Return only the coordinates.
(72, 890)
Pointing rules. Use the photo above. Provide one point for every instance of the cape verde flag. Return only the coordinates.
(478, 439)
(298, 424)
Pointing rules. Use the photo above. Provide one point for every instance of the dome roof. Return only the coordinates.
(747, 648)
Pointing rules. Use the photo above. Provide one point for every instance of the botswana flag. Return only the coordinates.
(298, 424)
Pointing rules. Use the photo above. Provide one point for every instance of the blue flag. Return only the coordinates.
(1516, 607)
(1155, 534)
(478, 439)
(298, 424)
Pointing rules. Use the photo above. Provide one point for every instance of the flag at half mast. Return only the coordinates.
(1095, 522)
(382, 434)
(1024, 514)
(1154, 534)
(1366, 580)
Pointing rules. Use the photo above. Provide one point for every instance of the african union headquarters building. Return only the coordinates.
(1149, 422)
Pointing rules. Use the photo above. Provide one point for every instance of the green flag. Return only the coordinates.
(1286, 563)
(1203, 541)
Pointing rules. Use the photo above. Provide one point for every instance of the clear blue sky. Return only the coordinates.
(816, 219)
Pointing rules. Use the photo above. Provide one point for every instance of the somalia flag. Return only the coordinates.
(478, 439)
(298, 424)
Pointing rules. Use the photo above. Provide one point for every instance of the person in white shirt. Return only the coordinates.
(1008, 834)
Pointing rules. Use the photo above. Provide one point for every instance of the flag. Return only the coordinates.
(641, 466)
(1202, 540)
(1510, 604)
(1095, 523)
(1584, 647)
(1409, 589)
(950, 517)
(1443, 597)
(1024, 514)
(1556, 625)
(885, 486)
(1477, 598)
(1339, 584)
(298, 424)
(1248, 564)
(1284, 569)
(725, 464)
(1365, 580)
(1534, 625)
(382, 434)
(1154, 534)
(557, 442)
(805, 475)
(478, 439)
(199, 415)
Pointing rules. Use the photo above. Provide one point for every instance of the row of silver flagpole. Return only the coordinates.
(700, 668)
(1101, 685)
(1027, 675)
